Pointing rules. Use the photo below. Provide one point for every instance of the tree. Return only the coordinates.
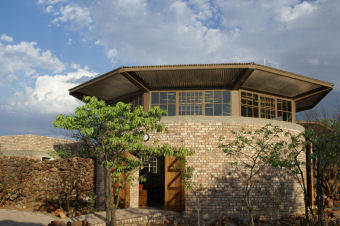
(114, 136)
(323, 132)
(195, 188)
(250, 150)
(291, 157)
(326, 148)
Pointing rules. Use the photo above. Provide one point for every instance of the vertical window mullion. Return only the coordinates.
(177, 102)
(203, 102)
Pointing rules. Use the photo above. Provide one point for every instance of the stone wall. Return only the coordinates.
(48, 183)
(276, 194)
(30, 146)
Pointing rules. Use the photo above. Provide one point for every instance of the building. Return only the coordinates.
(204, 102)
(31, 146)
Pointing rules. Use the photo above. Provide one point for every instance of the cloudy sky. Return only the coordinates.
(49, 46)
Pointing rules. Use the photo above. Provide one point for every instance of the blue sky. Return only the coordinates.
(49, 46)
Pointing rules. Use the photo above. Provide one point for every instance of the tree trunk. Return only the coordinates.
(319, 190)
(198, 210)
(110, 207)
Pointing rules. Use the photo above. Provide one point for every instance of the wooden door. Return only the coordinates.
(174, 186)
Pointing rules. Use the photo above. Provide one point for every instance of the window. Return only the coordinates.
(151, 165)
(190, 103)
(267, 107)
(203, 102)
(284, 110)
(165, 100)
(249, 105)
(256, 105)
(217, 103)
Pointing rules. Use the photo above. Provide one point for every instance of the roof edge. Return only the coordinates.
(95, 79)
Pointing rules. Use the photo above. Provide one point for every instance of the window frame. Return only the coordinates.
(293, 112)
(203, 100)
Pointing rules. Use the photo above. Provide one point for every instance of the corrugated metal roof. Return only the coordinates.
(130, 80)
(195, 78)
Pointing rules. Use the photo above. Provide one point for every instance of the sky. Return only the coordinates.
(50, 46)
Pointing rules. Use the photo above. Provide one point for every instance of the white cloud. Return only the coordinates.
(51, 2)
(290, 13)
(77, 16)
(112, 55)
(6, 38)
(49, 95)
(24, 59)
(287, 33)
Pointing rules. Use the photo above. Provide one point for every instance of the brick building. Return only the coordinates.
(31, 146)
(203, 103)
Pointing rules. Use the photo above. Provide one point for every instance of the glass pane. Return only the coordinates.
(171, 97)
(171, 110)
(226, 109)
(273, 114)
(217, 109)
(226, 97)
(249, 100)
(181, 109)
(284, 105)
(155, 98)
(209, 109)
(279, 115)
(163, 107)
(209, 97)
(289, 106)
(250, 112)
(255, 112)
(163, 98)
(218, 97)
(243, 111)
(279, 104)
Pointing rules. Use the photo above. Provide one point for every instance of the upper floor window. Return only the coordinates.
(202, 102)
(165, 100)
(256, 105)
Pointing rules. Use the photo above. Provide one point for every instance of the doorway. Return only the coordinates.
(153, 187)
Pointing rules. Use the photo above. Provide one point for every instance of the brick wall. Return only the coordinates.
(276, 194)
(31, 146)
(39, 184)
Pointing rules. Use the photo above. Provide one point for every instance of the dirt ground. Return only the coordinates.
(11, 217)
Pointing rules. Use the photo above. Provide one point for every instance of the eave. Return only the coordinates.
(126, 81)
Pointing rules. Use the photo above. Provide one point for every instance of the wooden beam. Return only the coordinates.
(137, 83)
(242, 78)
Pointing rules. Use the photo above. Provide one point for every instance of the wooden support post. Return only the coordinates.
(309, 169)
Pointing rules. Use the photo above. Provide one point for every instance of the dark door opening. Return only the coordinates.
(154, 173)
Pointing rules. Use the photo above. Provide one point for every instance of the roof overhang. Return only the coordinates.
(126, 82)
